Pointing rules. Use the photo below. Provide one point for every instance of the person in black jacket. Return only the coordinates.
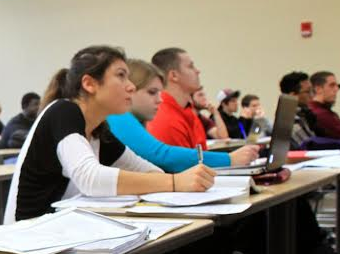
(16, 130)
(237, 127)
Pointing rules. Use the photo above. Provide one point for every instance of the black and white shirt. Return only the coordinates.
(58, 162)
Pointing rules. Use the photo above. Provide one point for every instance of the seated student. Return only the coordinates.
(252, 104)
(325, 89)
(130, 128)
(305, 127)
(237, 127)
(70, 149)
(16, 130)
(214, 129)
(175, 123)
(297, 84)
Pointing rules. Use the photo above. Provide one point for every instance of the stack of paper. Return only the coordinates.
(116, 245)
(95, 202)
(65, 230)
(157, 227)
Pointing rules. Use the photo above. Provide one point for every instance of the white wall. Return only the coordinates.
(246, 45)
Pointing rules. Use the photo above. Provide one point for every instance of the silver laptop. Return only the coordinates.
(279, 144)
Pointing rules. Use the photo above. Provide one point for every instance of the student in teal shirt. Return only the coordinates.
(129, 127)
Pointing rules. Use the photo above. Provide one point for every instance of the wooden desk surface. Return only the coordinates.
(9, 152)
(301, 182)
(198, 229)
(225, 145)
(6, 172)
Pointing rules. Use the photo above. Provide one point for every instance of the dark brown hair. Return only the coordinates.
(319, 78)
(66, 83)
(93, 61)
(246, 100)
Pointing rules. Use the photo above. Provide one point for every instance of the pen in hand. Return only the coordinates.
(199, 153)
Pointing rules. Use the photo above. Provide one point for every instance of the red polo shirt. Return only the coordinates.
(177, 126)
(327, 120)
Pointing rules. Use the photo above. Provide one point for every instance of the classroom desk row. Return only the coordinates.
(278, 201)
(198, 229)
(6, 153)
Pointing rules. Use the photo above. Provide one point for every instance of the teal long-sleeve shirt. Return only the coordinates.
(172, 159)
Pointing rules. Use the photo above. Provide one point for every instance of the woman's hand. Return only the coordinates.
(198, 178)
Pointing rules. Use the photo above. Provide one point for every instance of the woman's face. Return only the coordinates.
(145, 101)
(114, 93)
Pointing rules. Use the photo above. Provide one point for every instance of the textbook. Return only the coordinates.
(67, 229)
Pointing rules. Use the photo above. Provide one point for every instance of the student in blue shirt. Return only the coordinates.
(129, 127)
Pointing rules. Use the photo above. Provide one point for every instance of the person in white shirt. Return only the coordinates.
(70, 150)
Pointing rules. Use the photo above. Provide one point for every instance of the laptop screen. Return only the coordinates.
(282, 130)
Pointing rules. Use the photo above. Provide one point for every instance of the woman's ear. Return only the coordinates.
(89, 84)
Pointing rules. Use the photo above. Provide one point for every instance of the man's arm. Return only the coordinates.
(220, 130)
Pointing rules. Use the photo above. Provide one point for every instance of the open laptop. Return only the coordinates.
(279, 144)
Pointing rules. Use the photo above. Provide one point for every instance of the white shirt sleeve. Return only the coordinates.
(80, 164)
(132, 162)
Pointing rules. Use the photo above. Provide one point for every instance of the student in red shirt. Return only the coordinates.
(325, 89)
(175, 122)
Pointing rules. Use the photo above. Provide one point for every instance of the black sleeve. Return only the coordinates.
(110, 151)
(65, 118)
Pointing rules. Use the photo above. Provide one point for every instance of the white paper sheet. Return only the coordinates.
(95, 202)
(192, 198)
(158, 227)
(201, 209)
(322, 153)
(317, 164)
(242, 182)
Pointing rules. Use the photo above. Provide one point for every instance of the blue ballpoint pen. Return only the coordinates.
(240, 125)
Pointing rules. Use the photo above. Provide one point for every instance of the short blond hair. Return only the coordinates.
(142, 72)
